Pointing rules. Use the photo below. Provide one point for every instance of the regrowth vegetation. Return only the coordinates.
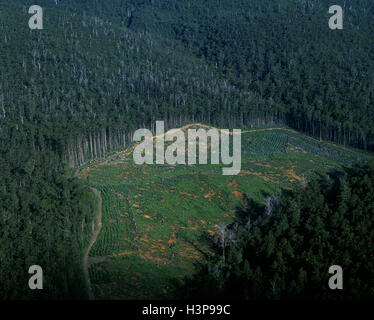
(160, 222)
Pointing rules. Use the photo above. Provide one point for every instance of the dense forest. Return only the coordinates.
(45, 220)
(284, 250)
(77, 90)
(100, 70)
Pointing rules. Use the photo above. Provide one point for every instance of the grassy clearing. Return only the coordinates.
(157, 219)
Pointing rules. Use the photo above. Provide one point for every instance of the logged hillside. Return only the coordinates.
(160, 222)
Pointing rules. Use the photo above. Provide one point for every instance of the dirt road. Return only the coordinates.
(92, 242)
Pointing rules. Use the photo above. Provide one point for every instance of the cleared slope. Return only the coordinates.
(156, 219)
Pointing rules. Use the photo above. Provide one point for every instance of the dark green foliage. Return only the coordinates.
(45, 220)
(288, 254)
(101, 69)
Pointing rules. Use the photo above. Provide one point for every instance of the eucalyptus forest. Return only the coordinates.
(73, 94)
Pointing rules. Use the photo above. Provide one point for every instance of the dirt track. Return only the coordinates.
(92, 242)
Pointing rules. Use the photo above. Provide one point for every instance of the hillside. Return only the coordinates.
(157, 220)
(76, 91)
(125, 64)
